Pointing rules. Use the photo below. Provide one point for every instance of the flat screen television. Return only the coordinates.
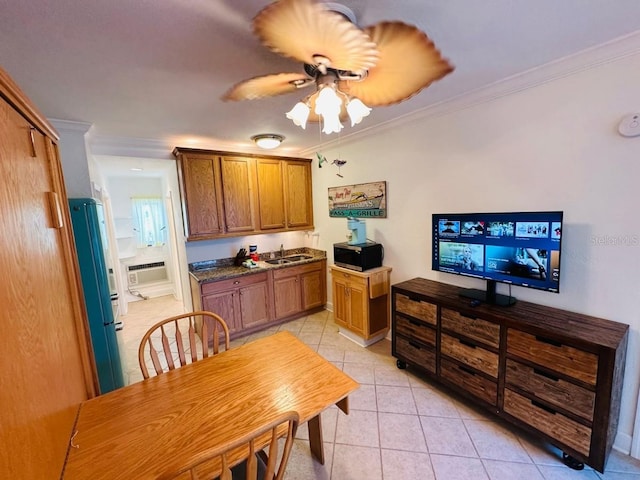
(518, 248)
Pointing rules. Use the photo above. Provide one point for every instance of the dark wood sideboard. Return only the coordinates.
(556, 374)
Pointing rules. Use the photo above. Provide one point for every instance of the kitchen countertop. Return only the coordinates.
(222, 269)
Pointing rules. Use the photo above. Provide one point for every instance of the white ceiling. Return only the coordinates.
(156, 69)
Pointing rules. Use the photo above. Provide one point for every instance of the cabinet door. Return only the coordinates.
(237, 193)
(340, 302)
(287, 296)
(45, 367)
(225, 304)
(358, 307)
(271, 212)
(202, 199)
(298, 194)
(313, 291)
(254, 301)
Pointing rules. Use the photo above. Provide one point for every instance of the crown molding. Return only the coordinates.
(130, 147)
(594, 57)
(69, 126)
(163, 148)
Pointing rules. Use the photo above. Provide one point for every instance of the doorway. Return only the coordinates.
(148, 263)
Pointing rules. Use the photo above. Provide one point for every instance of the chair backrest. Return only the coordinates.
(219, 461)
(187, 338)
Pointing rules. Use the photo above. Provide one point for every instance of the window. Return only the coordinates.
(149, 221)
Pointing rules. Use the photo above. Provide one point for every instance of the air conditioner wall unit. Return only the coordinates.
(147, 273)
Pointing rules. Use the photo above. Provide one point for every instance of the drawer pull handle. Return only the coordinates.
(466, 343)
(414, 345)
(545, 374)
(466, 370)
(472, 317)
(555, 343)
(543, 407)
(236, 282)
(413, 322)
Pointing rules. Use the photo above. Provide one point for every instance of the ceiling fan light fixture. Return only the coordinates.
(357, 110)
(268, 141)
(328, 106)
(299, 114)
(382, 64)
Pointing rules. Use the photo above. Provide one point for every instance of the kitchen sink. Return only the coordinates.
(290, 259)
(278, 261)
(297, 258)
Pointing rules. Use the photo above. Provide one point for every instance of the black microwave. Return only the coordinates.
(360, 257)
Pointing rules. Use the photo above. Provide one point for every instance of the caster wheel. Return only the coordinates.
(401, 365)
(571, 462)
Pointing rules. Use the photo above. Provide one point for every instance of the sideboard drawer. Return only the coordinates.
(554, 355)
(470, 381)
(470, 354)
(476, 328)
(545, 419)
(416, 353)
(414, 329)
(554, 390)
(417, 308)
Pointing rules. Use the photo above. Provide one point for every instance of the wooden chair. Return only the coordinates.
(222, 462)
(189, 346)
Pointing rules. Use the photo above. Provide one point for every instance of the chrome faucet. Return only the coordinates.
(281, 251)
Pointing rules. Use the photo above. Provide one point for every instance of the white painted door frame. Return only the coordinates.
(635, 440)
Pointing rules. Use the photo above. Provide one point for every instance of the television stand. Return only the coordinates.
(489, 296)
(556, 374)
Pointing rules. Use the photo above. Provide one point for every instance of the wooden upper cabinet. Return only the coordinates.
(236, 174)
(270, 194)
(228, 194)
(201, 195)
(298, 194)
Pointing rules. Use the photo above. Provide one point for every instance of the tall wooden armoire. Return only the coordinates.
(46, 362)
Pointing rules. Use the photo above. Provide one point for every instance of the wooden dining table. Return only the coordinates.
(146, 428)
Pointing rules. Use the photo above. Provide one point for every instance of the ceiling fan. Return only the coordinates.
(379, 65)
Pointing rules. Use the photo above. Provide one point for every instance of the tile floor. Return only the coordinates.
(400, 426)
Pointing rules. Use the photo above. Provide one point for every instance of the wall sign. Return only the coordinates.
(365, 200)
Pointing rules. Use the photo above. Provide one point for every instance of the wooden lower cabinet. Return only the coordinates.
(242, 302)
(350, 302)
(298, 289)
(361, 302)
(254, 301)
(554, 373)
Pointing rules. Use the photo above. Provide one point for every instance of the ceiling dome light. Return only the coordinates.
(268, 140)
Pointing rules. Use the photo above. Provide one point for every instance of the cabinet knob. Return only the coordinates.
(236, 282)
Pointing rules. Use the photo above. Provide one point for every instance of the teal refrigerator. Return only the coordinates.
(89, 231)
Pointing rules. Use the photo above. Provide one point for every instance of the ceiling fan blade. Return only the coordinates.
(266, 86)
(304, 29)
(408, 62)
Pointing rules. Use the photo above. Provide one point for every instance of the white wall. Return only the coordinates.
(551, 147)
(122, 189)
(74, 154)
(225, 248)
